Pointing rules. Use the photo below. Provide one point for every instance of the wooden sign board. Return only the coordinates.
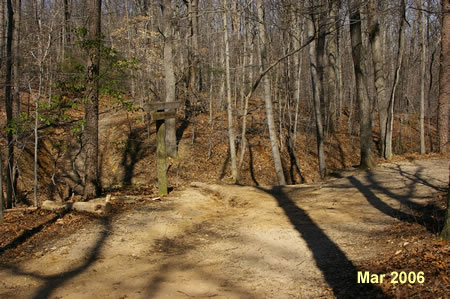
(154, 106)
(163, 115)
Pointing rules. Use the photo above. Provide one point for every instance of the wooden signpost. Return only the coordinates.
(160, 111)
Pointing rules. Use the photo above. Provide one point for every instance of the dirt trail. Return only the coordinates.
(251, 242)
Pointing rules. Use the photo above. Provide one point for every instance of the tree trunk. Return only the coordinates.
(169, 76)
(333, 67)
(376, 44)
(299, 26)
(367, 156)
(422, 78)
(9, 105)
(267, 99)
(67, 27)
(317, 91)
(16, 78)
(399, 63)
(16, 59)
(92, 183)
(444, 78)
(231, 138)
(195, 72)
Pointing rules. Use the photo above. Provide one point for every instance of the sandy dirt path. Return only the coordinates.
(237, 242)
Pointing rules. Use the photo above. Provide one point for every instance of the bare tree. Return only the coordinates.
(423, 68)
(231, 138)
(398, 68)
(367, 155)
(66, 38)
(317, 90)
(444, 98)
(92, 182)
(333, 54)
(376, 43)
(444, 78)
(195, 80)
(267, 97)
(40, 55)
(16, 58)
(9, 105)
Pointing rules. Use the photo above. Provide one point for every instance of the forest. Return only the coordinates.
(111, 108)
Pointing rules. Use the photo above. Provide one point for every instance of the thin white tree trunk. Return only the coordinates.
(231, 138)
(399, 63)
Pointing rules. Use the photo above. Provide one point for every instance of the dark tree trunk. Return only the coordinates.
(9, 105)
(92, 183)
(67, 27)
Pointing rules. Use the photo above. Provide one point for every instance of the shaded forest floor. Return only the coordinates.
(223, 241)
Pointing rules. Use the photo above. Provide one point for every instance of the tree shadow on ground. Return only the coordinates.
(339, 272)
(180, 246)
(132, 154)
(420, 213)
(28, 233)
(52, 282)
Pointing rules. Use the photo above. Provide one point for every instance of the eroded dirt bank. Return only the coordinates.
(249, 242)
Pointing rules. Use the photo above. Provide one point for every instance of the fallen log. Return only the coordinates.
(94, 207)
(55, 206)
(97, 206)
(23, 210)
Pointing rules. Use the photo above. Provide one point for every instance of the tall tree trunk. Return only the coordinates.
(367, 156)
(92, 182)
(317, 91)
(398, 67)
(9, 105)
(195, 73)
(67, 26)
(376, 43)
(16, 76)
(169, 76)
(267, 96)
(333, 66)
(422, 77)
(16, 60)
(444, 78)
(429, 93)
(298, 31)
(231, 138)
